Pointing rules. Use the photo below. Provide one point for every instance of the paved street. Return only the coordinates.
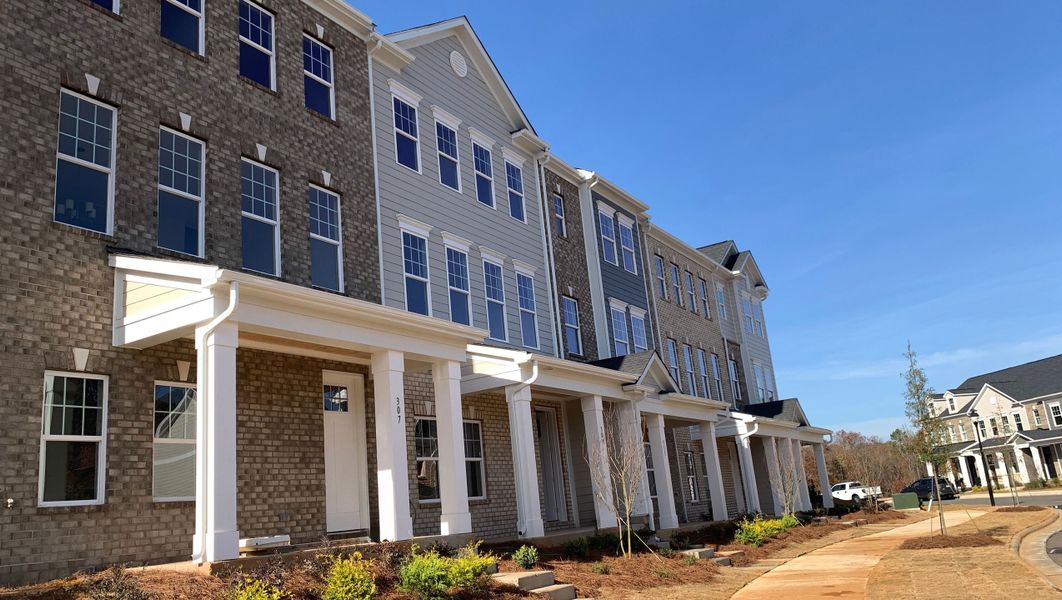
(1003, 498)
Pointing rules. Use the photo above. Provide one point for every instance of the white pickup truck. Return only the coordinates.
(853, 490)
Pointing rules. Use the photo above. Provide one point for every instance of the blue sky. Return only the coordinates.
(895, 167)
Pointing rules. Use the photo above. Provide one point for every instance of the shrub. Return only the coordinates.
(663, 574)
(250, 588)
(790, 521)
(577, 548)
(117, 584)
(690, 560)
(665, 552)
(470, 569)
(604, 542)
(679, 541)
(349, 579)
(756, 531)
(425, 575)
(526, 556)
(600, 568)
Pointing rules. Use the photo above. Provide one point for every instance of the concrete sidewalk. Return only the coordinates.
(1032, 548)
(840, 570)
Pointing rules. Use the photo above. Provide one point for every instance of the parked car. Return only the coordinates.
(924, 488)
(850, 491)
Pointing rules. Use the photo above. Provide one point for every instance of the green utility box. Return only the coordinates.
(908, 500)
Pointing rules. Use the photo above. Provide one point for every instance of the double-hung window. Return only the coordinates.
(619, 331)
(182, 23)
(457, 279)
(426, 444)
(702, 372)
(73, 439)
(173, 447)
(691, 377)
(111, 5)
(1056, 415)
(691, 477)
(704, 298)
(481, 161)
(326, 239)
(573, 340)
(717, 376)
(449, 163)
(661, 279)
(525, 294)
(994, 426)
(676, 284)
(260, 203)
(761, 384)
(650, 470)
(415, 267)
(559, 223)
(981, 429)
(1037, 420)
(494, 286)
(84, 173)
(638, 334)
(626, 238)
(1006, 424)
(962, 432)
(318, 84)
(1019, 423)
(735, 387)
(746, 311)
(672, 361)
(951, 434)
(514, 180)
(475, 473)
(181, 176)
(757, 318)
(691, 292)
(406, 140)
(257, 56)
(720, 301)
(607, 225)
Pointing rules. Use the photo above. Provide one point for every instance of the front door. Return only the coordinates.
(346, 468)
(549, 449)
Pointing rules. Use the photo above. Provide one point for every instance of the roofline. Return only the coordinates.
(699, 256)
(571, 174)
(615, 192)
(345, 15)
(1009, 368)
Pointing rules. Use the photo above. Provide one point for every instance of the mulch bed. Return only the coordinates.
(640, 572)
(968, 540)
(1019, 509)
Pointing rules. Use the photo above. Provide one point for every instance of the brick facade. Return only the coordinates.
(570, 263)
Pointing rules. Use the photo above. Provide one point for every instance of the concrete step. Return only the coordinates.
(526, 580)
(731, 553)
(560, 591)
(701, 553)
(722, 561)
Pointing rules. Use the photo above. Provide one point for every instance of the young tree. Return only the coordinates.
(789, 480)
(617, 464)
(926, 438)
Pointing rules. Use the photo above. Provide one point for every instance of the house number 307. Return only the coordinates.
(398, 408)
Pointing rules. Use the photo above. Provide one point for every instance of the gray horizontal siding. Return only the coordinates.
(422, 197)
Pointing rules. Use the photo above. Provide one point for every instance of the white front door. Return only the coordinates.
(346, 466)
(549, 450)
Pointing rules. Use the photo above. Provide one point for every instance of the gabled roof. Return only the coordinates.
(782, 410)
(1030, 380)
(961, 410)
(719, 251)
(477, 53)
(957, 447)
(646, 365)
(730, 256)
(1039, 435)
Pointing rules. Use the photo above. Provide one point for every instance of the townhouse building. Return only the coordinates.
(1014, 415)
(271, 274)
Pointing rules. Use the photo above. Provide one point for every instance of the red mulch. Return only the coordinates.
(968, 540)
(1019, 509)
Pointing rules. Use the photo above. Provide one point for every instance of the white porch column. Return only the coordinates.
(824, 477)
(597, 455)
(770, 450)
(1038, 462)
(1023, 469)
(713, 472)
(965, 470)
(1002, 470)
(392, 463)
(217, 537)
(628, 421)
(929, 469)
(748, 472)
(521, 435)
(802, 487)
(665, 494)
(982, 469)
(453, 484)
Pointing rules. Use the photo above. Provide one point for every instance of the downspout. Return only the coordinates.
(376, 168)
(547, 240)
(202, 416)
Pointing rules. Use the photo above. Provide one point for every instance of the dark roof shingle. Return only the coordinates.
(1030, 380)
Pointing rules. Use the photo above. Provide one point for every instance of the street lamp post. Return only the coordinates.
(981, 448)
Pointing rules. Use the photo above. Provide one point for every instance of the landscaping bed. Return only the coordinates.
(966, 540)
(1016, 509)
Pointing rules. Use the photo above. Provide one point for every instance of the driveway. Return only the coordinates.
(840, 570)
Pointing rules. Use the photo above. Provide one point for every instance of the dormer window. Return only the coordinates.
(951, 404)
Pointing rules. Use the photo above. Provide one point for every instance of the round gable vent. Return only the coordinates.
(458, 64)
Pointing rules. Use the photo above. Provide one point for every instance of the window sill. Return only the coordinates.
(331, 121)
(254, 84)
(91, 233)
(179, 48)
(99, 8)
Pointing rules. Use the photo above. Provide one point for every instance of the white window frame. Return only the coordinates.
(603, 214)
(691, 374)
(640, 317)
(117, 7)
(691, 292)
(329, 84)
(951, 433)
(761, 381)
(503, 302)
(577, 326)
(199, 15)
(559, 219)
(275, 223)
(1019, 421)
(529, 275)
(623, 222)
(962, 432)
(746, 313)
(994, 426)
(411, 99)
(445, 119)
(720, 300)
(337, 243)
(672, 361)
(706, 304)
(1037, 418)
(717, 376)
(691, 476)
(178, 441)
(406, 228)
(650, 468)
(509, 191)
(702, 368)
(272, 38)
(951, 404)
(88, 164)
(661, 277)
(101, 454)
(676, 283)
(488, 147)
(481, 460)
(1056, 420)
(202, 194)
(620, 311)
(981, 428)
(735, 385)
(1005, 422)
(757, 318)
(452, 246)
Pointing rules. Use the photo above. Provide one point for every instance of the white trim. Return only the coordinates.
(615, 309)
(533, 312)
(178, 441)
(509, 191)
(481, 138)
(690, 368)
(482, 460)
(455, 241)
(660, 276)
(439, 154)
(691, 291)
(489, 176)
(329, 84)
(617, 304)
(101, 454)
(560, 220)
(407, 223)
(272, 38)
(463, 250)
(404, 93)
(201, 199)
(510, 155)
(620, 225)
(604, 212)
(91, 165)
(200, 17)
(445, 117)
(338, 243)
(523, 268)
(642, 318)
(640, 313)
(398, 132)
(427, 267)
(487, 258)
(275, 222)
(492, 255)
(577, 326)
(1054, 423)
